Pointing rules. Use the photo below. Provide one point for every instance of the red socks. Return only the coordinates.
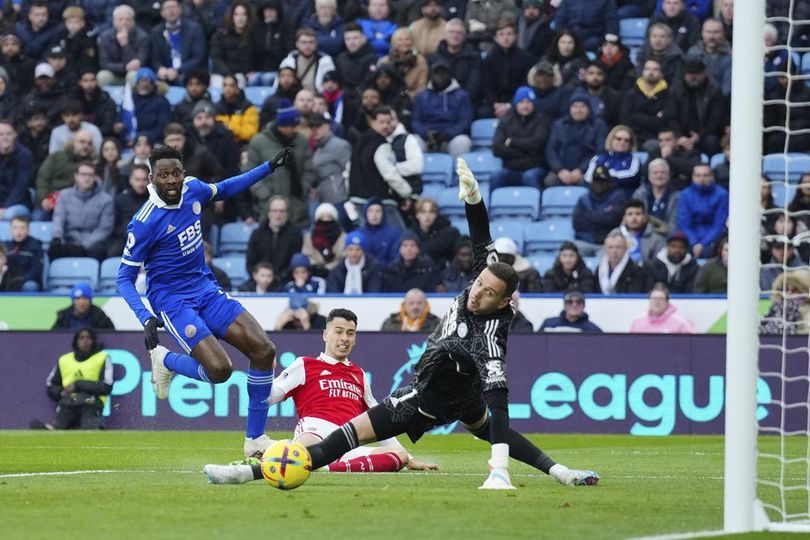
(388, 462)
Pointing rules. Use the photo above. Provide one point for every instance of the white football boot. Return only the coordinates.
(161, 375)
(256, 447)
(228, 474)
(576, 477)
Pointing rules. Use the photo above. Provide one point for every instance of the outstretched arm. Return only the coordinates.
(236, 184)
(477, 217)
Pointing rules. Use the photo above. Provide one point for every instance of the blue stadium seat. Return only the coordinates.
(234, 267)
(519, 202)
(717, 159)
(592, 263)
(449, 205)
(257, 94)
(482, 132)
(116, 93)
(509, 228)
(559, 201)
(643, 157)
(64, 273)
(460, 223)
(482, 163)
(431, 191)
(175, 94)
(5, 231)
(438, 169)
(806, 68)
(545, 236)
(783, 194)
(215, 93)
(792, 165)
(42, 231)
(109, 271)
(234, 237)
(633, 31)
(704, 158)
(213, 238)
(543, 262)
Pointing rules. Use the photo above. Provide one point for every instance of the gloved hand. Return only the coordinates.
(467, 184)
(150, 332)
(282, 158)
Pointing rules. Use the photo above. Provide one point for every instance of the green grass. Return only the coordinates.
(649, 486)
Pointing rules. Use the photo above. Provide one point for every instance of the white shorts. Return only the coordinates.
(321, 429)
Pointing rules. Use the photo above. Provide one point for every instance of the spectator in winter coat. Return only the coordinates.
(310, 65)
(16, 169)
(503, 71)
(569, 272)
(520, 324)
(574, 140)
(324, 244)
(235, 112)
(715, 52)
(661, 316)
(97, 106)
(413, 316)
(615, 57)
(233, 45)
(660, 46)
(47, 92)
(685, 26)
(528, 278)
(617, 273)
(20, 68)
(590, 19)
(176, 45)
(567, 56)
(125, 205)
(484, 17)
(712, 277)
(381, 239)
(82, 312)
(377, 26)
(357, 62)
(393, 93)
(275, 240)
(24, 253)
(122, 49)
(782, 255)
(534, 27)
(330, 158)
(660, 200)
(262, 280)
(442, 114)
(57, 172)
(357, 272)
(271, 36)
(428, 30)
(196, 83)
(411, 65)
(458, 273)
(8, 100)
(73, 122)
(701, 107)
(152, 111)
(436, 234)
(519, 141)
(673, 266)
(680, 160)
(219, 142)
(787, 108)
(552, 100)
(597, 212)
(303, 282)
(643, 243)
(572, 318)
(648, 106)
(619, 159)
(463, 58)
(83, 218)
(328, 27)
(412, 269)
(702, 212)
(605, 101)
(79, 42)
(39, 31)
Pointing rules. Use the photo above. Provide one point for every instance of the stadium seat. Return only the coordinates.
(116, 93)
(792, 165)
(783, 194)
(559, 201)
(234, 267)
(543, 262)
(175, 94)
(509, 228)
(717, 159)
(438, 169)
(633, 31)
(482, 163)
(806, 68)
(482, 132)
(643, 157)
(257, 94)
(215, 93)
(545, 236)
(108, 274)
(64, 273)
(234, 237)
(704, 158)
(449, 205)
(42, 231)
(213, 238)
(519, 202)
(592, 263)
(460, 223)
(431, 191)
(5, 231)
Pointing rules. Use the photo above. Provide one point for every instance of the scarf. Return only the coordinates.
(608, 279)
(332, 97)
(412, 325)
(354, 276)
(651, 91)
(324, 236)
(611, 61)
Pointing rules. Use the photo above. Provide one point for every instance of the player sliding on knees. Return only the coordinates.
(165, 236)
(462, 373)
(328, 391)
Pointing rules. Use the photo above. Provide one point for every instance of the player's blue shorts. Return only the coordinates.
(190, 320)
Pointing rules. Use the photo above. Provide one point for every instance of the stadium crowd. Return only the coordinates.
(631, 139)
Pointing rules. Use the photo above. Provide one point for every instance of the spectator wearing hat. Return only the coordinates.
(72, 122)
(324, 244)
(19, 67)
(303, 282)
(569, 271)
(428, 30)
(673, 265)
(567, 56)
(262, 280)
(357, 62)
(551, 99)
(410, 64)
(648, 106)
(662, 316)
(332, 99)
(412, 269)
(572, 318)
(463, 58)
(503, 71)
(196, 83)
(616, 272)
(702, 212)
(528, 278)
(442, 114)
(381, 238)
(57, 58)
(534, 28)
(310, 65)
(643, 242)
(98, 107)
(235, 112)
(11, 279)
(39, 31)
(293, 182)
(574, 140)
(58, 172)
(712, 277)
(215, 138)
(47, 92)
(16, 173)
(82, 313)
(122, 49)
(435, 233)
(458, 273)
(620, 160)
(597, 212)
(414, 315)
(685, 27)
(701, 106)
(357, 272)
(378, 26)
(152, 111)
(589, 19)
(176, 45)
(35, 135)
(301, 315)
(715, 52)
(233, 44)
(24, 254)
(519, 141)
(330, 158)
(484, 18)
(328, 27)
(80, 42)
(275, 240)
(620, 73)
(660, 46)
(782, 255)
(605, 101)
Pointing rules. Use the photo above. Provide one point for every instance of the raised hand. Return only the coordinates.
(282, 158)
(467, 184)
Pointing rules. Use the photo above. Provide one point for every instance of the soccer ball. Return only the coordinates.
(286, 464)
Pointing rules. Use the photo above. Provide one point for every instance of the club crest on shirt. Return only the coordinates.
(196, 207)
(190, 330)
(462, 330)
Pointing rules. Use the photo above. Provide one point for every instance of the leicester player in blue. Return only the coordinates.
(165, 236)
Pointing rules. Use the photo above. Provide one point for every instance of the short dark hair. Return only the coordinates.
(140, 167)
(8, 122)
(199, 74)
(309, 32)
(164, 152)
(505, 273)
(352, 27)
(174, 128)
(635, 203)
(263, 265)
(72, 106)
(85, 163)
(342, 313)
(24, 219)
(382, 109)
(659, 286)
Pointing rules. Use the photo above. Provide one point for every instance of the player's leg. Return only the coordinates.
(90, 415)
(66, 416)
(370, 459)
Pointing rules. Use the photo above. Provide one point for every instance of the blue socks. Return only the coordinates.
(259, 384)
(185, 365)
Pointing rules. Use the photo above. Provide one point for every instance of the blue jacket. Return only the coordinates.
(153, 112)
(588, 18)
(594, 217)
(26, 256)
(16, 175)
(37, 43)
(382, 241)
(624, 167)
(572, 144)
(330, 37)
(378, 34)
(561, 324)
(421, 274)
(99, 14)
(192, 47)
(449, 112)
(702, 213)
(699, 8)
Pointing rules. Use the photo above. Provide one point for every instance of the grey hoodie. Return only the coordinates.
(83, 218)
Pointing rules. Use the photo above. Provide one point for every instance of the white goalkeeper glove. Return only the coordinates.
(467, 184)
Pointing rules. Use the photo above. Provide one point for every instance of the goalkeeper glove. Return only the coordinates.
(282, 158)
(150, 332)
(467, 184)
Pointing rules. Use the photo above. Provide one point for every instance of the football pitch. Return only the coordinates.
(150, 485)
